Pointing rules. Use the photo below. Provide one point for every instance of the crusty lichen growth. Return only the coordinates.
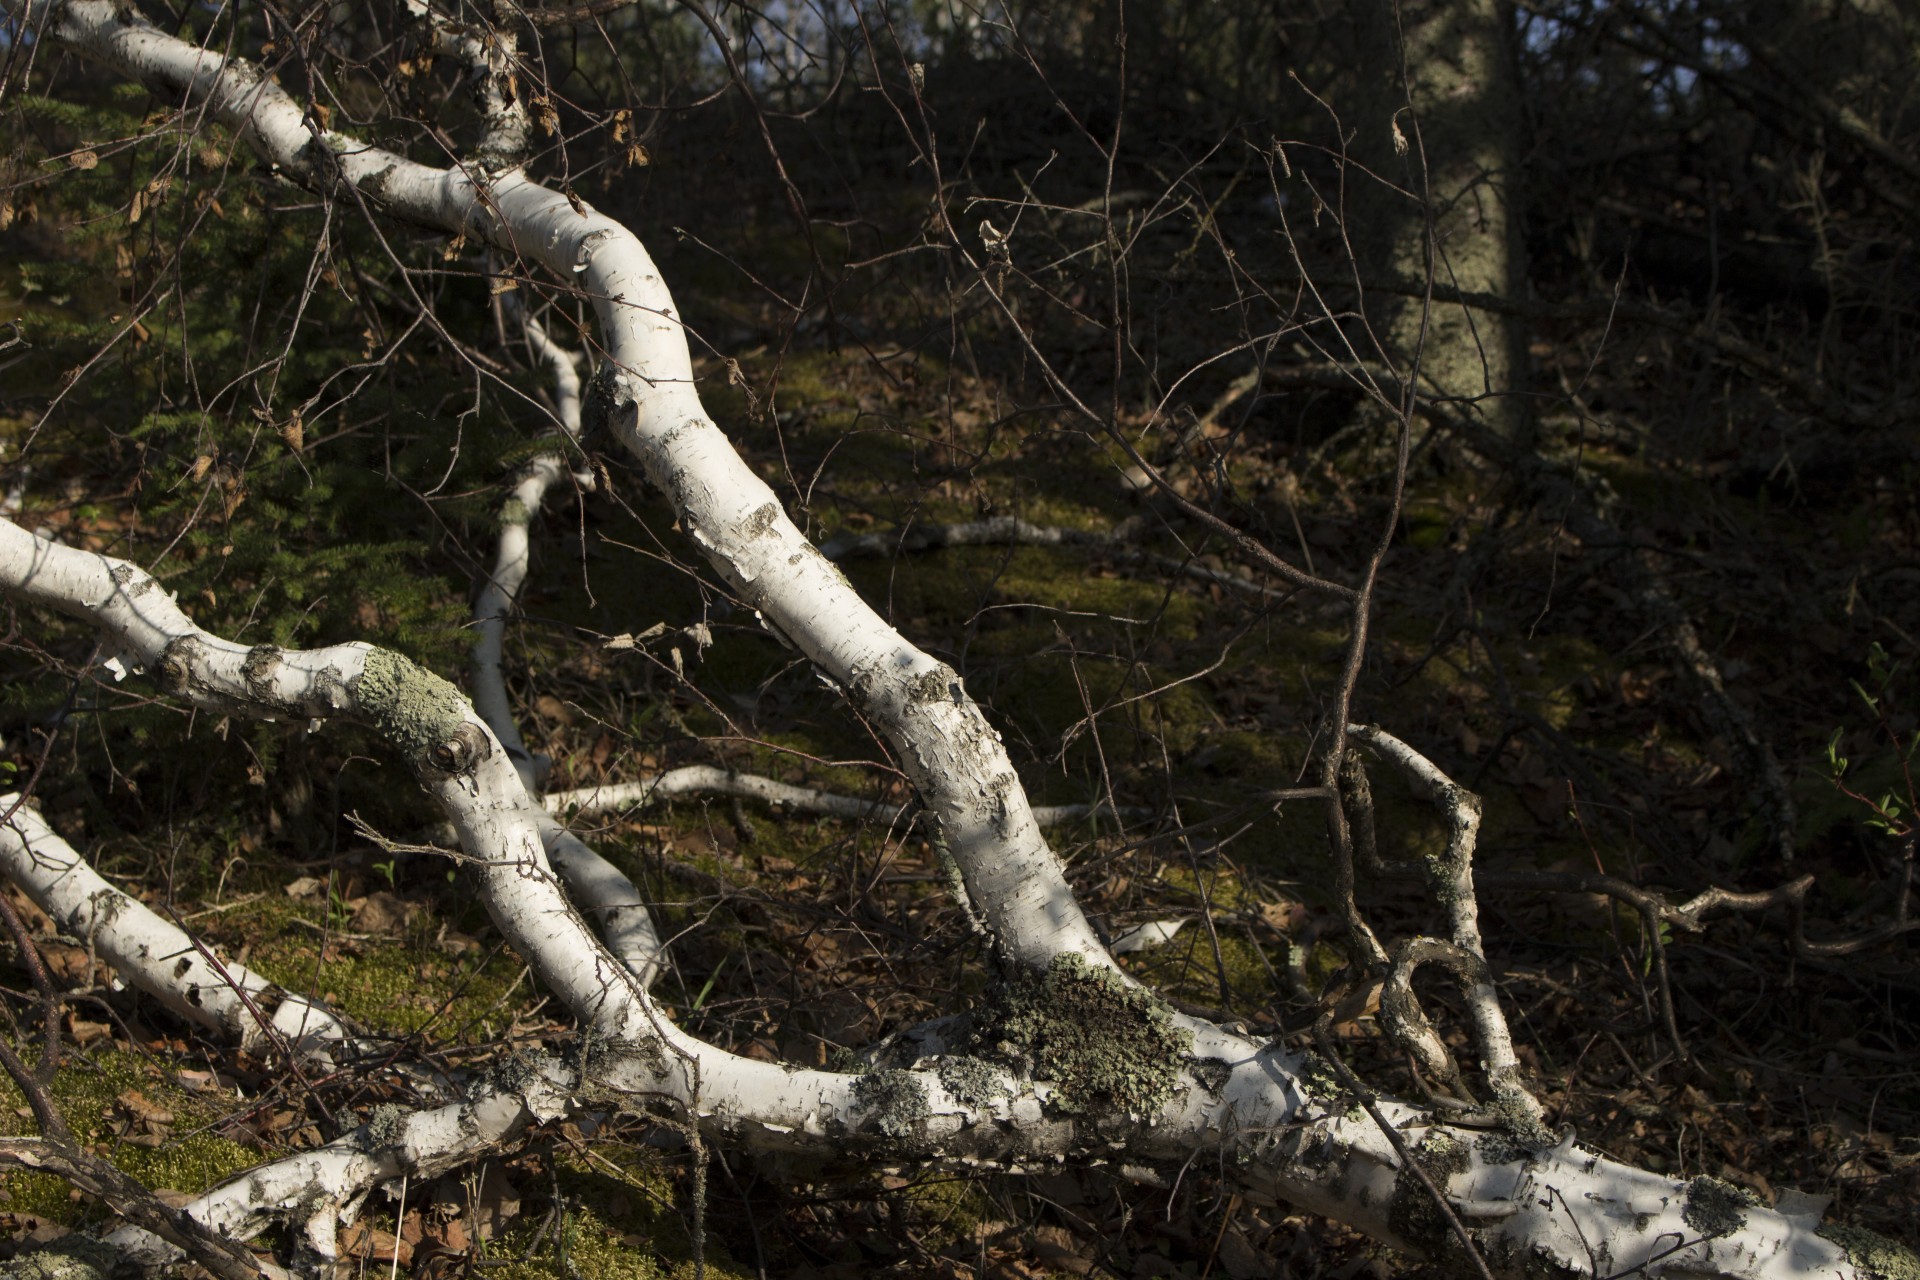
(1877, 1257)
(1412, 1214)
(1715, 1208)
(74, 1257)
(1520, 1112)
(411, 707)
(1321, 1080)
(386, 1126)
(1104, 1045)
(975, 1082)
(1500, 1148)
(897, 1100)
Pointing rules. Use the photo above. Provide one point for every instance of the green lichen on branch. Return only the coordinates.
(414, 709)
(1413, 1214)
(1715, 1208)
(975, 1082)
(1877, 1256)
(1104, 1045)
(897, 1100)
(73, 1257)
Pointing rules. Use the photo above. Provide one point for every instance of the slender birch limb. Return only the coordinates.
(488, 53)
(604, 894)
(313, 1188)
(1451, 875)
(601, 889)
(711, 780)
(497, 596)
(154, 955)
(646, 396)
(1215, 1094)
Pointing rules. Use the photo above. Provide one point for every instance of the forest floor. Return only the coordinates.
(1501, 649)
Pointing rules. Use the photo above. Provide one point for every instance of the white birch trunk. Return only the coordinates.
(648, 398)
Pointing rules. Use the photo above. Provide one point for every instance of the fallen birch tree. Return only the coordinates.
(1068, 1060)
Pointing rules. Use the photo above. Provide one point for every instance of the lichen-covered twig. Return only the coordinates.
(1450, 874)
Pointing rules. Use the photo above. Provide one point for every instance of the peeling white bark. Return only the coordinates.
(154, 955)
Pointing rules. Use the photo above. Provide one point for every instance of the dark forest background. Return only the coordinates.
(1633, 286)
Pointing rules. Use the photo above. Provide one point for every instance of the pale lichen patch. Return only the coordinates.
(1104, 1044)
(1877, 1256)
(73, 1257)
(973, 1081)
(411, 707)
(1715, 1208)
(1413, 1213)
(387, 1125)
(896, 1100)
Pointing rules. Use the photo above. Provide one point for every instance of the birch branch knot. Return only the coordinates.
(420, 713)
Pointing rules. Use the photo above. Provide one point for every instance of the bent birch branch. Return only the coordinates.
(1274, 1126)
(645, 395)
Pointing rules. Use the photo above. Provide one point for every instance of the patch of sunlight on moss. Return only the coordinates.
(622, 1223)
(1063, 580)
(84, 1091)
(1220, 888)
(947, 1208)
(765, 755)
(1187, 966)
(394, 985)
(1427, 525)
(1267, 759)
(1077, 513)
